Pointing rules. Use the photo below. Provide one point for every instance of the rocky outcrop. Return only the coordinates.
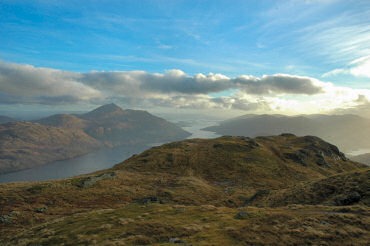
(91, 181)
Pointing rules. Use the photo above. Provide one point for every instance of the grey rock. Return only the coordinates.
(5, 219)
(241, 215)
(41, 210)
(176, 241)
(91, 181)
(323, 222)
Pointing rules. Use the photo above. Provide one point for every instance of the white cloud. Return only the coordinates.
(32, 83)
(279, 93)
(359, 68)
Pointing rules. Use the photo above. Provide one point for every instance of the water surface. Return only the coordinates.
(94, 161)
(358, 152)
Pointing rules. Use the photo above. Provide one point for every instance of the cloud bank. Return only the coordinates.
(174, 88)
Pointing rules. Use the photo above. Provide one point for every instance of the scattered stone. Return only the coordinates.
(241, 215)
(41, 210)
(14, 213)
(5, 219)
(176, 241)
(253, 143)
(323, 222)
(91, 181)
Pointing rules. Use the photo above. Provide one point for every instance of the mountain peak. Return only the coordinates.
(104, 110)
(108, 108)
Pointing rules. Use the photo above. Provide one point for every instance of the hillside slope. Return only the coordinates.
(263, 161)
(5, 119)
(199, 191)
(67, 121)
(25, 144)
(349, 132)
(114, 126)
(337, 190)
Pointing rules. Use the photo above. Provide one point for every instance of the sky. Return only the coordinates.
(207, 57)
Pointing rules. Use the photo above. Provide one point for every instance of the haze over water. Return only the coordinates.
(98, 160)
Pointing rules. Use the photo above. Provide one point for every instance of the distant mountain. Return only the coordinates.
(25, 145)
(63, 136)
(107, 111)
(364, 158)
(6, 119)
(115, 126)
(349, 132)
(276, 190)
(63, 120)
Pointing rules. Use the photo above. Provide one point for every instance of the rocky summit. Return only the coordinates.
(275, 190)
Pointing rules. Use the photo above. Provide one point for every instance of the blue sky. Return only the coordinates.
(326, 40)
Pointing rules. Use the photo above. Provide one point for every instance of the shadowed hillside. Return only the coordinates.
(200, 192)
(63, 120)
(5, 119)
(349, 132)
(25, 145)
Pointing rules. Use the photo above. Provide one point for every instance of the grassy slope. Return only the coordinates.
(325, 191)
(156, 224)
(202, 185)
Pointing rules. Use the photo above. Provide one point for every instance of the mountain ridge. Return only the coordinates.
(114, 126)
(349, 132)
